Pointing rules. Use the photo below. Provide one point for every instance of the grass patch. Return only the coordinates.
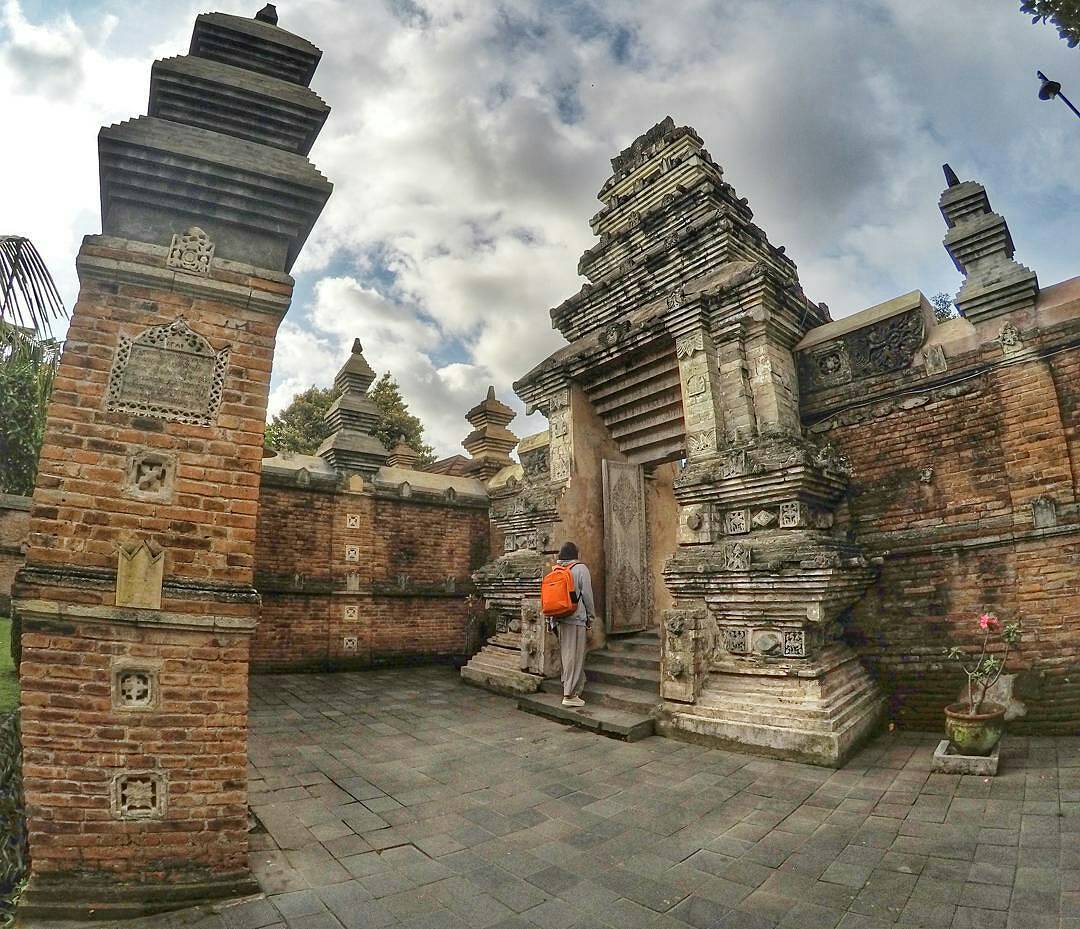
(9, 679)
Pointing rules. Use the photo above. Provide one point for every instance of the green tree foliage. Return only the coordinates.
(943, 307)
(396, 422)
(27, 369)
(300, 427)
(1064, 14)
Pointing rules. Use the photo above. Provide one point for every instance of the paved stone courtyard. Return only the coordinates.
(405, 798)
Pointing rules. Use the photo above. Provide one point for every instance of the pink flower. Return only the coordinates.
(989, 622)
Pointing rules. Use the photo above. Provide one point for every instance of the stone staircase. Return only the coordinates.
(622, 689)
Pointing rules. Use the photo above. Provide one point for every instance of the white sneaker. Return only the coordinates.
(572, 701)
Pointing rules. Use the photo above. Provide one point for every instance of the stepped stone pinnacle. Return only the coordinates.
(353, 416)
(981, 247)
(490, 443)
(402, 455)
(223, 145)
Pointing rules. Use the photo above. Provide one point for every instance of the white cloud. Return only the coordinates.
(467, 141)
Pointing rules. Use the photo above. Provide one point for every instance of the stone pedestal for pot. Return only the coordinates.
(948, 761)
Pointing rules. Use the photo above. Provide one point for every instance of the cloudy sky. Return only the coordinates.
(468, 138)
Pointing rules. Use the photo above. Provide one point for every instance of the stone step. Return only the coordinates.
(602, 658)
(611, 695)
(615, 724)
(635, 643)
(623, 675)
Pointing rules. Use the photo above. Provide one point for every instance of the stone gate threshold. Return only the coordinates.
(405, 798)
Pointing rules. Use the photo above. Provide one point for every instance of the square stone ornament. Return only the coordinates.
(947, 761)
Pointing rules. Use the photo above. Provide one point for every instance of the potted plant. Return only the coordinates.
(975, 727)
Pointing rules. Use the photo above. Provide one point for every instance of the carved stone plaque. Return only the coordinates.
(624, 540)
(168, 372)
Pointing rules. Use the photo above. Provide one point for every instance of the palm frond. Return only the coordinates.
(28, 295)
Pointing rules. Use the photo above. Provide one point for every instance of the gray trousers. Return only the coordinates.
(572, 652)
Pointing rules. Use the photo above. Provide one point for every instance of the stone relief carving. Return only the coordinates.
(134, 684)
(935, 360)
(168, 372)
(701, 443)
(794, 643)
(736, 639)
(193, 251)
(139, 795)
(151, 475)
(352, 520)
(881, 348)
(1010, 339)
(888, 346)
(734, 464)
(792, 515)
(686, 345)
(560, 464)
(737, 556)
(737, 522)
(764, 518)
(1044, 512)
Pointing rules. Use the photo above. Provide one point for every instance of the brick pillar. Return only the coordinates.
(136, 602)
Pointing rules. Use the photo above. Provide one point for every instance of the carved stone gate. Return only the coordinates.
(625, 543)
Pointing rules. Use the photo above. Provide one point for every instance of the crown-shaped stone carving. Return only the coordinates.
(981, 247)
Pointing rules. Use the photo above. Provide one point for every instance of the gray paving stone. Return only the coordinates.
(298, 903)
(472, 814)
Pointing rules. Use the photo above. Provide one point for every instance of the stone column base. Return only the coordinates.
(817, 716)
(48, 900)
(497, 667)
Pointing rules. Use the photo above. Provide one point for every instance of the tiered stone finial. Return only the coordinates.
(979, 243)
(223, 143)
(352, 446)
(402, 455)
(490, 443)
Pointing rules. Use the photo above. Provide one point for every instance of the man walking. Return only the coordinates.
(573, 627)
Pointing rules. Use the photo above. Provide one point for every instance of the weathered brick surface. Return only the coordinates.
(75, 743)
(14, 527)
(81, 511)
(942, 492)
(74, 740)
(409, 590)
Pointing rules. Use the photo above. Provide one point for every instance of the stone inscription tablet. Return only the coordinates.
(168, 372)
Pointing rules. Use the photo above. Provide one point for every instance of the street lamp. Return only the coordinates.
(1050, 89)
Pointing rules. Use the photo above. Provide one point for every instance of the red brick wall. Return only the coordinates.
(74, 742)
(80, 510)
(409, 590)
(14, 526)
(944, 477)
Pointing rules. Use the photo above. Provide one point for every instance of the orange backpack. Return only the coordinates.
(557, 595)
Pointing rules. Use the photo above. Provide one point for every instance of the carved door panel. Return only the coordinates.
(626, 585)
